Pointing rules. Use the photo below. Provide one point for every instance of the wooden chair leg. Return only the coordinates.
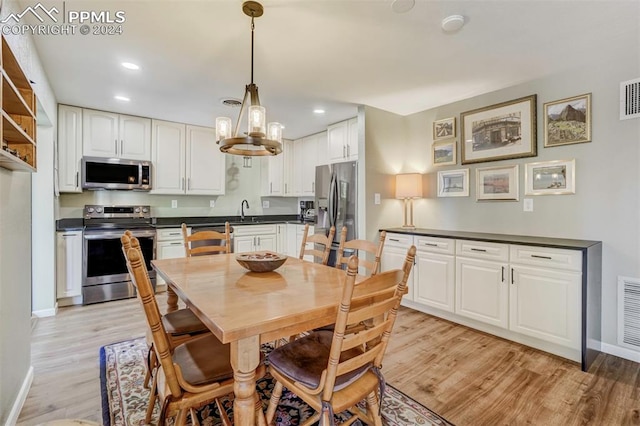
(194, 417)
(311, 420)
(152, 399)
(325, 418)
(273, 402)
(373, 408)
(226, 421)
(181, 418)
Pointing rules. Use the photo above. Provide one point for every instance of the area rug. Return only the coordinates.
(124, 398)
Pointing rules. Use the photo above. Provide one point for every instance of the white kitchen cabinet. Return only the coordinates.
(342, 141)
(544, 297)
(322, 153)
(304, 166)
(186, 160)
(288, 172)
(169, 245)
(247, 238)
(272, 174)
(434, 272)
(168, 154)
(292, 233)
(69, 148)
(281, 238)
(68, 264)
(393, 256)
(482, 291)
(205, 163)
(308, 246)
(106, 134)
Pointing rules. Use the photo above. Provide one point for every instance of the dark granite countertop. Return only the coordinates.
(75, 224)
(498, 238)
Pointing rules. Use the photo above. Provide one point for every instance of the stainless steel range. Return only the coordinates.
(104, 269)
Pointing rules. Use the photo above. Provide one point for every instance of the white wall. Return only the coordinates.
(607, 200)
(16, 245)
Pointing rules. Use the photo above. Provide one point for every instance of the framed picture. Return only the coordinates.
(445, 128)
(444, 153)
(567, 121)
(497, 183)
(550, 177)
(453, 183)
(500, 132)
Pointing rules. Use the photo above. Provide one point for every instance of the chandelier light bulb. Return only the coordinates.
(223, 128)
(274, 131)
(257, 120)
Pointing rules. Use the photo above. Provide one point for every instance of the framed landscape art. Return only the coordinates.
(497, 183)
(453, 183)
(444, 153)
(550, 177)
(445, 128)
(567, 121)
(499, 132)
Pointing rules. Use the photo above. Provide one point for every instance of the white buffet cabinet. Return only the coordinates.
(526, 289)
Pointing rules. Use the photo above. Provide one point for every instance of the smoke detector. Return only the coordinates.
(452, 23)
(402, 6)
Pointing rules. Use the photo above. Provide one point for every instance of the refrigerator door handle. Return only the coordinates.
(332, 200)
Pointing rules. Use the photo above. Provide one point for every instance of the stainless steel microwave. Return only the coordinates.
(115, 173)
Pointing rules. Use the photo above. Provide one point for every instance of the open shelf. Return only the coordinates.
(18, 124)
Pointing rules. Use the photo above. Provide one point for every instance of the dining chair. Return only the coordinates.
(206, 242)
(190, 374)
(334, 371)
(356, 246)
(321, 239)
(181, 326)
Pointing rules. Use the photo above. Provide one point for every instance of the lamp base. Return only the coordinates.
(408, 214)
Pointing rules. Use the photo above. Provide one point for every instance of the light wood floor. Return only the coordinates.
(469, 377)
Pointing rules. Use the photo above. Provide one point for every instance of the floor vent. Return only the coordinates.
(630, 99)
(629, 312)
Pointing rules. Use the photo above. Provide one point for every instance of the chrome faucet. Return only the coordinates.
(242, 209)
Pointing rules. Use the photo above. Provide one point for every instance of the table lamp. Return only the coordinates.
(408, 187)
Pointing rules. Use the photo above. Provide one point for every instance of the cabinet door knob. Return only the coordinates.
(512, 281)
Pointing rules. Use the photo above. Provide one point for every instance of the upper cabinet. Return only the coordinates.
(106, 134)
(69, 148)
(342, 141)
(186, 160)
(18, 116)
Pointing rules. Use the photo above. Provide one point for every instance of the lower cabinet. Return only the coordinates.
(529, 294)
(281, 238)
(169, 245)
(248, 238)
(68, 264)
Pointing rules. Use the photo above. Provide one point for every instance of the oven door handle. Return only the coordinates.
(112, 235)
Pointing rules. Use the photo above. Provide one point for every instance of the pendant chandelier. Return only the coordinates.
(259, 139)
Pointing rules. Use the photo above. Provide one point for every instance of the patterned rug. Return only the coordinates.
(124, 399)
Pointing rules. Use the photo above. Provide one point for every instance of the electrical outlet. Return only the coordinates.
(174, 204)
(212, 203)
(376, 198)
(265, 204)
(528, 204)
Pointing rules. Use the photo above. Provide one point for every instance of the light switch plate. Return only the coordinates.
(174, 204)
(376, 198)
(265, 204)
(528, 204)
(212, 203)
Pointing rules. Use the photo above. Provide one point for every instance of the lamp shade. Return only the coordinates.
(409, 185)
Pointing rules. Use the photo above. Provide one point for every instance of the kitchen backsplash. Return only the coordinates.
(245, 187)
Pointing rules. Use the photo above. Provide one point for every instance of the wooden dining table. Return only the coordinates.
(246, 309)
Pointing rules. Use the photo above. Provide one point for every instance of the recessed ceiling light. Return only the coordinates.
(452, 23)
(122, 98)
(318, 111)
(402, 6)
(130, 66)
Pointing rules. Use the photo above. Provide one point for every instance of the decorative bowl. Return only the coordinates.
(261, 261)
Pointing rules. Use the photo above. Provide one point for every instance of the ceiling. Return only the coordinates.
(329, 54)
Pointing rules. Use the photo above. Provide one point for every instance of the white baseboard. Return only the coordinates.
(621, 352)
(22, 397)
(51, 312)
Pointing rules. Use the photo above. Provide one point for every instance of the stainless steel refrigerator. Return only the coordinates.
(335, 201)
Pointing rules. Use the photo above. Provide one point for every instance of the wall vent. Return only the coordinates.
(629, 312)
(630, 99)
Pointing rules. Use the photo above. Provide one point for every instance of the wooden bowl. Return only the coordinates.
(261, 261)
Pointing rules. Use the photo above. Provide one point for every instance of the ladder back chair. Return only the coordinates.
(204, 242)
(356, 246)
(191, 374)
(334, 370)
(325, 241)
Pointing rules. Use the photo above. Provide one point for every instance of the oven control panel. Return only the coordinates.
(110, 212)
